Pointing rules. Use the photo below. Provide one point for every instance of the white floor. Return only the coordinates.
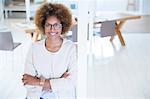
(114, 72)
(120, 72)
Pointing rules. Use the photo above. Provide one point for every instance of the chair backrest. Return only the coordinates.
(108, 28)
(74, 30)
(6, 41)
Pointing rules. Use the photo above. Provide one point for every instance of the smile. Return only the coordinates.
(53, 33)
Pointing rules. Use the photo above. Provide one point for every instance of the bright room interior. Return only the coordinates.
(112, 70)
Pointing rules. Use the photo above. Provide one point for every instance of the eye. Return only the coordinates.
(47, 25)
(57, 25)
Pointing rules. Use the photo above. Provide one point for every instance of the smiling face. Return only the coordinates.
(53, 27)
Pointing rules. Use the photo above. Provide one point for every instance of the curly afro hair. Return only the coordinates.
(53, 9)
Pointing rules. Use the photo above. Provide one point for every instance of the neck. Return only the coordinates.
(53, 42)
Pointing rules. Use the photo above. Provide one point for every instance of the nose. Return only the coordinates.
(52, 30)
(52, 27)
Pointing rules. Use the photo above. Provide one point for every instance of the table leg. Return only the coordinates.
(35, 37)
(120, 37)
(111, 38)
(118, 32)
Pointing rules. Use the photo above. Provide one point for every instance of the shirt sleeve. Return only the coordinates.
(32, 91)
(29, 65)
(68, 83)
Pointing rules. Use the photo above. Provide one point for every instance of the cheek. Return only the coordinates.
(45, 30)
(60, 30)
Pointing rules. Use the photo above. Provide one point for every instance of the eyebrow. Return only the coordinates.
(52, 24)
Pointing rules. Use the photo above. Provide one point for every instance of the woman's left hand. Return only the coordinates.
(30, 80)
(65, 75)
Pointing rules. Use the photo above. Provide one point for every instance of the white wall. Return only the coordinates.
(146, 7)
(68, 4)
(111, 5)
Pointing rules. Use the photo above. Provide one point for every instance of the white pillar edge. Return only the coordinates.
(27, 4)
(82, 49)
(1, 10)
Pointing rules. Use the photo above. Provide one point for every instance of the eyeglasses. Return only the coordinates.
(55, 26)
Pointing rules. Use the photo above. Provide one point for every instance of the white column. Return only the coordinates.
(82, 49)
(27, 3)
(140, 6)
(1, 10)
(92, 12)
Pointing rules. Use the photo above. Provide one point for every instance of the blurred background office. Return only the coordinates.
(107, 69)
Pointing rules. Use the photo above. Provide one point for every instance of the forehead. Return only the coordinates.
(52, 20)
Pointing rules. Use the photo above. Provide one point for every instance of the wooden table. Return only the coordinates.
(120, 19)
(34, 34)
(30, 29)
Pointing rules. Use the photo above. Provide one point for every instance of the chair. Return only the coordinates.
(6, 42)
(107, 28)
(7, 47)
(72, 34)
(74, 30)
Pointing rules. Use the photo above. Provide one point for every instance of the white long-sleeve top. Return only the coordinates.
(43, 63)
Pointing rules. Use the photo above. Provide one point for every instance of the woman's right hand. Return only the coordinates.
(30, 80)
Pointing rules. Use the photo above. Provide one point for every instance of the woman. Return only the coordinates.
(51, 65)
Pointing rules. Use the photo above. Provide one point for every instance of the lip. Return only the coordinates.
(53, 33)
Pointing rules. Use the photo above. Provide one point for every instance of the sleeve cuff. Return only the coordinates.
(33, 91)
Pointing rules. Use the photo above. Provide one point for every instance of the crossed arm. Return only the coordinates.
(66, 81)
(35, 81)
